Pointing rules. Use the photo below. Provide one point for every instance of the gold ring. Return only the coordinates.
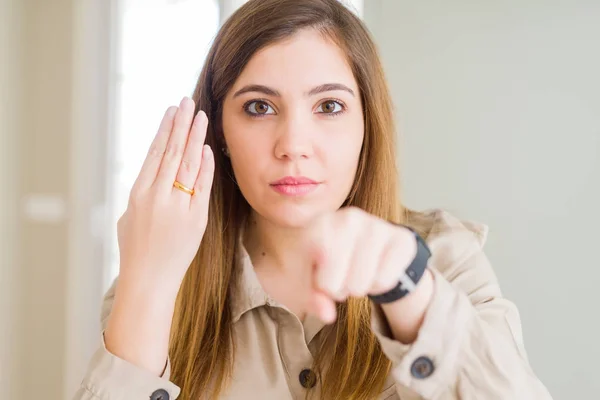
(183, 188)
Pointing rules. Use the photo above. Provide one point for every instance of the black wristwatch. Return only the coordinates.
(413, 274)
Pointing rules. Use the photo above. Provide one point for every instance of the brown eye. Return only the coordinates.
(261, 108)
(258, 108)
(330, 107)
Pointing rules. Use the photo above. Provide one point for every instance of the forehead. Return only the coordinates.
(300, 62)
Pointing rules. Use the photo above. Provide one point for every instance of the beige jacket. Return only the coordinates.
(470, 345)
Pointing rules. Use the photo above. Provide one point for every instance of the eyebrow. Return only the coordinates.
(327, 87)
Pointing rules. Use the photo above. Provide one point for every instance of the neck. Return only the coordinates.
(269, 244)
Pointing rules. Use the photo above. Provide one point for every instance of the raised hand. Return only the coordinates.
(160, 232)
(159, 235)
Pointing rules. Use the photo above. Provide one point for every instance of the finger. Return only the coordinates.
(335, 261)
(176, 145)
(399, 252)
(204, 181)
(156, 152)
(192, 156)
(322, 307)
(320, 260)
(365, 263)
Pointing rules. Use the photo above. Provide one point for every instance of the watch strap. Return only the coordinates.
(412, 275)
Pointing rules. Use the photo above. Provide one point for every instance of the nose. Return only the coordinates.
(294, 139)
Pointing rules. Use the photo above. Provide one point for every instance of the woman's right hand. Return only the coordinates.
(161, 230)
(159, 235)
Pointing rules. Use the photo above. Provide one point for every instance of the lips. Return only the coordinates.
(294, 180)
(295, 185)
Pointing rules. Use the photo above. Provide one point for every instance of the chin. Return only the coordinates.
(293, 215)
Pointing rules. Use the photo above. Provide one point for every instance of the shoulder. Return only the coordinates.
(452, 239)
(436, 222)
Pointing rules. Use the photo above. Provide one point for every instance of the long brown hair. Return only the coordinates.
(201, 345)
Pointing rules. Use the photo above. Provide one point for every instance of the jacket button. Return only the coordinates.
(422, 368)
(160, 394)
(308, 379)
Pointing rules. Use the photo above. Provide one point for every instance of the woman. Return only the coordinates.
(265, 264)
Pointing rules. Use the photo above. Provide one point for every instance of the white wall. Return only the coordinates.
(36, 81)
(10, 16)
(498, 106)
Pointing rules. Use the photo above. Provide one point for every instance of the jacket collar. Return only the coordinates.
(248, 292)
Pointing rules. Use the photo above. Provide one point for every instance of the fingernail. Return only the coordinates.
(207, 151)
(183, 101)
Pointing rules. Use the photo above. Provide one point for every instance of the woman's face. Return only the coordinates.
(293, 124)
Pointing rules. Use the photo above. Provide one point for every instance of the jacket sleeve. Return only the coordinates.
(109, 377)
(470, 345)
